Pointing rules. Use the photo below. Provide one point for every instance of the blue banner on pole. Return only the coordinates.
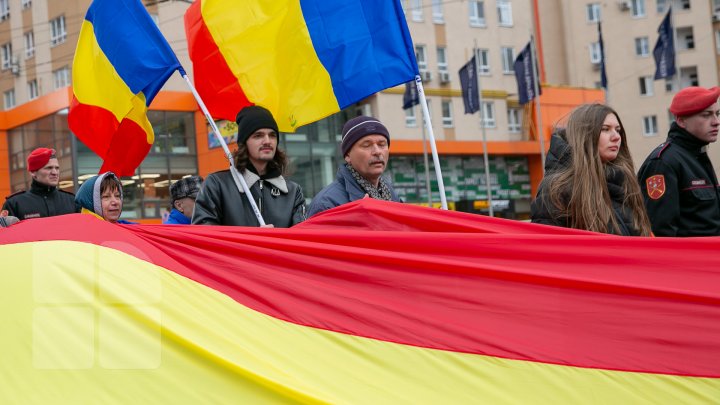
(664, 51)
(603, 74)
(525, 76)
(411, 97)
(469, 86)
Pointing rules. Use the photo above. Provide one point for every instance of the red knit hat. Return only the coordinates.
(692, 100)
(39, 158)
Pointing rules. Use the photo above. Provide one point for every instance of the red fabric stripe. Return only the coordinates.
(599, 301)
(222, 95)
(122, 146)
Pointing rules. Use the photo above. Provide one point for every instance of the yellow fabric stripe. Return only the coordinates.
(96, 83)
(268, 47)
(88, 324)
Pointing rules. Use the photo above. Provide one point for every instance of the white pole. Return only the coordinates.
(427, 168)
(239, 180)
(541, 133)
(676, 78)
(488, 185)
(433, 147)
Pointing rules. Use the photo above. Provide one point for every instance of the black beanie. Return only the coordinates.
(359, 127)
(252, 118)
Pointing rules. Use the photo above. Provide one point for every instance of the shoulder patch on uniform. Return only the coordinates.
(15, 193)
(655, 186)
(661, 149)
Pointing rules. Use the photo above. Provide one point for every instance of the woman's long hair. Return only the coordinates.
(242, 159)
(581, 191)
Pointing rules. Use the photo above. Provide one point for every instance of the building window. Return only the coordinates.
(595, 55)
(417, 10)
(442, 59)
(6, 55)
(4, 10)
(593, 12)
(716, 6)
(504, 10)
(437, 8)
(689, 77)
(514, 116)
(421, 57)
(410, 117)
(642, 46)
(488, 114)
(57, 31)
(477, 13)
(717, 41)
(683, 4)
(662, 6)
(685, 38)
(9, 99)
(32, 87)
(61, 78)
(484, 61)
(669, 84)
(650, 125)
(508, 59)
(638, 8)
(26, 4)
(646, 86)
(447, 116)
(29, 40)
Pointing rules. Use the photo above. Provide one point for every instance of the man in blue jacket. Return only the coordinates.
(183, 193)
(366, 148)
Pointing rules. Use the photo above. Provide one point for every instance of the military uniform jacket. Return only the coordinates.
(680, 187)
(39, 202)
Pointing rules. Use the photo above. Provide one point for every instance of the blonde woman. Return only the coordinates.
(589, 177)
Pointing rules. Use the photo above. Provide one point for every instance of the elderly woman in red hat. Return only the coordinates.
(678, 181)
(44, 199)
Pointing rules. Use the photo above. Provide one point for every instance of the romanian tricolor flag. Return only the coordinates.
(301, 59)
(121, 62)
(370, 303)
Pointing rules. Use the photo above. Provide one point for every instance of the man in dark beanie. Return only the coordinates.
(678, 181)
(365, 146)
(183, 193)
(262, 165)
(44, 199)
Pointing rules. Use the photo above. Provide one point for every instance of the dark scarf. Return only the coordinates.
(381, 192)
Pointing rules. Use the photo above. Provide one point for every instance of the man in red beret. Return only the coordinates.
(678, 181)
(44, 199)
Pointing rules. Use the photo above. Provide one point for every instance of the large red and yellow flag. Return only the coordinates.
(413, 306)
(121, 62)
(301, 59)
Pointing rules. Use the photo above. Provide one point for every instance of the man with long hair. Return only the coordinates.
(262, 165)
(678, 181)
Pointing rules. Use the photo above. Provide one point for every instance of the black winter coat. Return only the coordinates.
(542, 211)
(681, 191)
(39, 202)
(219, 202)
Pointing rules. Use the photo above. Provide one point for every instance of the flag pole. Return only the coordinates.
(240, 182)
(433, 148)
(427, 168)
(541, 134)
(676, 79)
(488, 185)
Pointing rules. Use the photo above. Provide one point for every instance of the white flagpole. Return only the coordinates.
(240, 182)
(488, 185)
(676, 78)
(427, 168)
(541, 134)
(433, 147)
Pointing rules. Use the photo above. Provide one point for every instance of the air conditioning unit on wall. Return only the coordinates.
(426, 75)
(444, 77)
(624, 5)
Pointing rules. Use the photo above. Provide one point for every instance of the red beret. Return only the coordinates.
(692, 100)
(39, 158)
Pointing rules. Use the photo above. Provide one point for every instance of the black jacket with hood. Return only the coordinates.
(544, 212)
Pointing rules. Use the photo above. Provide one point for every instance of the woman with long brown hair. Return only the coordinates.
(589, 177)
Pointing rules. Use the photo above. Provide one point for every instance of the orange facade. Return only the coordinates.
(555, 104)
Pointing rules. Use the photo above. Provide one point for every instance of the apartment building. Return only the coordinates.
(571, 56)
(38, 37)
